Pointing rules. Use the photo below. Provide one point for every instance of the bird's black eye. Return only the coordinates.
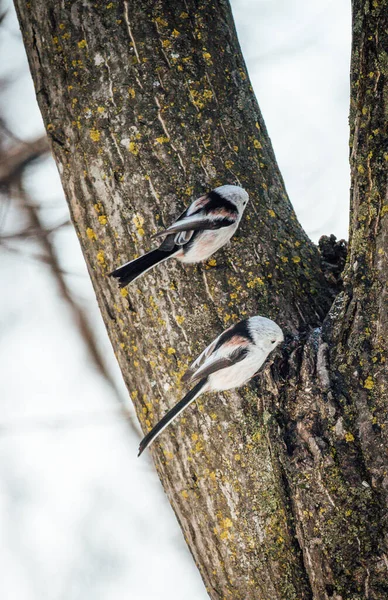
(273, 341)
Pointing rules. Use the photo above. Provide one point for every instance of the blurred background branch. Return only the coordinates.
(15, 157)
(79, 313)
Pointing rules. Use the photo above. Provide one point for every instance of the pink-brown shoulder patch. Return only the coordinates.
(224, 212)
(237, 340)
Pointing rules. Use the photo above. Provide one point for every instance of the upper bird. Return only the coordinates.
(228, 362)
(202, 229)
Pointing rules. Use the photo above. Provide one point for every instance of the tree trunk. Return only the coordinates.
(280, 488)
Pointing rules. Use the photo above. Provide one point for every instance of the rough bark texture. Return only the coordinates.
(279, 488)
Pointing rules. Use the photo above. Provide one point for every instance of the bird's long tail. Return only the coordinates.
(172, 414)
(133, 269)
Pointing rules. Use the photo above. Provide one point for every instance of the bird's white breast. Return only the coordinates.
(206, 243)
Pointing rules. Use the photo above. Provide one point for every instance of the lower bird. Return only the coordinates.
(202, 229)
(228, 362)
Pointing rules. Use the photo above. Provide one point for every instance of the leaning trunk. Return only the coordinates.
(279, 488)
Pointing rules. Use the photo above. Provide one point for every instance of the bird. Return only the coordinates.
(202, 229)
(231, 360)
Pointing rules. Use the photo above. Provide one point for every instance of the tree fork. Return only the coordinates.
(146, 105)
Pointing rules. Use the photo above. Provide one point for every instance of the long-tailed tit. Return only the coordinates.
(202, 229)
(228, 362)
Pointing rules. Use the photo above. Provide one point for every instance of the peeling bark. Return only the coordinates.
(279, 488)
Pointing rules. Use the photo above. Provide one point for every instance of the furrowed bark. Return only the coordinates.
(148, 104)
(358, 323)
(335, 426)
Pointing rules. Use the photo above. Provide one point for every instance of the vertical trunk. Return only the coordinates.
(336, 418)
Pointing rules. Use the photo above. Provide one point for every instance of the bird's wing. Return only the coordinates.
(197, 205)
(218, 363)
(200, 360)
(168, 243)
(198, 222)
(183, 237)
(226, 350)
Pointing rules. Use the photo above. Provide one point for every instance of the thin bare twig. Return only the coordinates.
(32, 232)
(17, 157)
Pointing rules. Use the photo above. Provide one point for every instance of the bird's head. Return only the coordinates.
(266, 333)
(235, 194)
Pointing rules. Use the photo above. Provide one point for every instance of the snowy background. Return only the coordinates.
(80, 516)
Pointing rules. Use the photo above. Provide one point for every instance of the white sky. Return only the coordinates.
(80, 516)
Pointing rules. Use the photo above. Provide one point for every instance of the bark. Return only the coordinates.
(277, 487)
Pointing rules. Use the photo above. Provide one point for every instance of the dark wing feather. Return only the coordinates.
(168, 244)
(200, 360)
(223, 338)
(221, 363)
(196, 223)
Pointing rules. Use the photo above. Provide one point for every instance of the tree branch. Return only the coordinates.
(148, 104)
(79, 314)
(14, 159)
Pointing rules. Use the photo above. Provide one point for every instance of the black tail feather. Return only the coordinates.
(171, 415)
(132, 270)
